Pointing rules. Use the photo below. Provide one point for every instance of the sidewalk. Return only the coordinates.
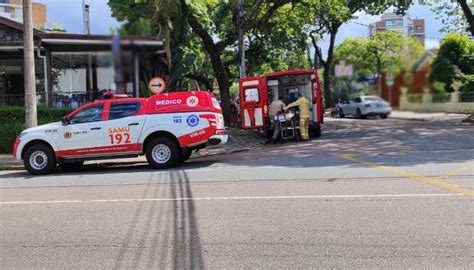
(239, 140)
(430, 117)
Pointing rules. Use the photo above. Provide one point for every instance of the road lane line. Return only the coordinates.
(413, 176)
(241, 198)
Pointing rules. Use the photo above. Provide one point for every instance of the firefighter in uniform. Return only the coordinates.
(303, 104)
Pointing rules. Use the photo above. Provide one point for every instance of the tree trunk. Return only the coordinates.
(327, 71)
(223, 81)
(217, 65)
(467, 12)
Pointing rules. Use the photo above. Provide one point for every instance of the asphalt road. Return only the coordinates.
(368, 194)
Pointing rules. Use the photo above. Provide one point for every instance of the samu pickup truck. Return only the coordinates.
(165, 127)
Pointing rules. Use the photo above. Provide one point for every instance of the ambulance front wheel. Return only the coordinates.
(39, 159)
(162, 153)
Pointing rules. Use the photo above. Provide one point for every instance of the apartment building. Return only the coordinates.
(13, 10)
(403, 24)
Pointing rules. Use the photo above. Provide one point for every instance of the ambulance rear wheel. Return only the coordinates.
(185, 154)
(315, 130)
(162, 153)
(39, 159)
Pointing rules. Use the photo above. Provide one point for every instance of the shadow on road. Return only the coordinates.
(392, 142)
(163, 234)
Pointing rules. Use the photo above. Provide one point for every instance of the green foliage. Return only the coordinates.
(12, 121)
(455, 58)
(467, 84)
(439, 87)
(450, 14)
(385, 51)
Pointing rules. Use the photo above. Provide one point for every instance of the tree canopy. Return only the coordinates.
(454, 61)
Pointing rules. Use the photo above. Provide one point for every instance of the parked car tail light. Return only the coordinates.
(367, 105)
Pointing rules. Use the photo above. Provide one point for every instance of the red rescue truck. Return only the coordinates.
(256, 94)
(165, 128)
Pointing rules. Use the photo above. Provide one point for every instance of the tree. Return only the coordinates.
(456, 15)
(330, 16)
(216, 24)
(455, 58)
(354, 52)
(384, 51)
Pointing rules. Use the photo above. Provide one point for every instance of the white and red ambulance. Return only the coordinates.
(165, 127)
(256, 94)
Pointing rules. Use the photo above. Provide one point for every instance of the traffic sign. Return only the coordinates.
(389, 80)
(156, 85)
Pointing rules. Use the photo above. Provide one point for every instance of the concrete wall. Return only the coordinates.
(427, 104)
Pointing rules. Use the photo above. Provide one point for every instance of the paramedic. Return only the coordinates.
(303, 104)
(275, 108)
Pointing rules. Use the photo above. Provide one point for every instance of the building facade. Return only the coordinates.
(13, 10)
(402, 24)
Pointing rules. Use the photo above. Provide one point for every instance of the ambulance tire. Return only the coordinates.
(162, 153)
(315, 130)
(71, 166)
(185, 154)
(39, 159)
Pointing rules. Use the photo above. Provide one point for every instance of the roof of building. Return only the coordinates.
(65, 42)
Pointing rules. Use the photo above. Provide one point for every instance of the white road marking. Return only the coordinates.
(238, 198)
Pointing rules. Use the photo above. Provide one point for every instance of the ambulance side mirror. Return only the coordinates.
(65, 121)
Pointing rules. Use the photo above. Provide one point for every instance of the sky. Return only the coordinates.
(68, 13)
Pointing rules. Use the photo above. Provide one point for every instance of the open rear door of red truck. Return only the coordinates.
(317, 99)
(253, 103)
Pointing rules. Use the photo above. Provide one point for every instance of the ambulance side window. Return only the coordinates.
(123, 109)
(89, 114)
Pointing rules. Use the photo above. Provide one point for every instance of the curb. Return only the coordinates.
(124, 163)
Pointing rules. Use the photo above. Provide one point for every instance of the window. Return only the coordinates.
(251, 94)
(373, 99)
(89, 114)
(357, 100)
(394, 22)
(123, 109)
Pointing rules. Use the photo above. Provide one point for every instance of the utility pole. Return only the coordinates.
(29, 66)
(240, 5)
(87, 20)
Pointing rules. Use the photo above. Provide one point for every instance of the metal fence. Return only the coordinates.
(66, 100)
(466, 97)
(441, 98)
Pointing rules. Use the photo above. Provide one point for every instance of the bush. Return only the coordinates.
(12, 122)
(467, 84)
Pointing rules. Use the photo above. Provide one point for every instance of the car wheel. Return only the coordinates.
(71, 166)
(384, 116)
(162, 153)
(185, 154)
(358, 114)
(341, 113)
(39, 159)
